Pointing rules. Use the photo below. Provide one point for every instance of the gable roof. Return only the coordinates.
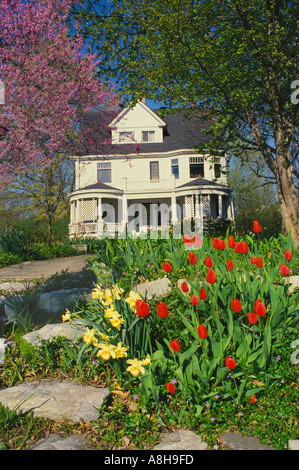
(123, 115)
(179, 133)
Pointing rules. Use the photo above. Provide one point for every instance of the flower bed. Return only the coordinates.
(215, 336)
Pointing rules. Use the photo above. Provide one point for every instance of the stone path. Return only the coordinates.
(30, 270)
(58, 400)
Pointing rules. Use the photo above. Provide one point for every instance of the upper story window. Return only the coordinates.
(154, 171)
(217, 167)
(148, 136)
(126, 136)
(196, 166)
(175, 167)
(104, 172)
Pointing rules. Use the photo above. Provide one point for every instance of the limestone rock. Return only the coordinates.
(55, 442)
(56, 400)
(182, 439)
(236, 441)
(71, 331)
(157, 288)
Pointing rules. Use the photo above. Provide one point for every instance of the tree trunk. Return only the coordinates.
(288, 201)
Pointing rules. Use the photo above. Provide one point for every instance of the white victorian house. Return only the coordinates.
(160, 183)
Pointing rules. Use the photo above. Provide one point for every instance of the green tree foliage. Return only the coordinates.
(236, 60)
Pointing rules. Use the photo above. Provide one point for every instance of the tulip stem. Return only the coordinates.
(149, 337)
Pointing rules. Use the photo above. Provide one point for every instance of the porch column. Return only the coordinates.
(100, 223)
(220, 214)
(174, 215)
(197, 211)
(77, 211)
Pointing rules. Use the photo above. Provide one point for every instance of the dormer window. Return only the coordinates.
(126, 136)
(148, 136)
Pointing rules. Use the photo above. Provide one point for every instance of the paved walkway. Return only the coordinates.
(30, 270)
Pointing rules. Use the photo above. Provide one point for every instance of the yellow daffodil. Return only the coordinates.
(105, 337)
(131, 300)
(89, 336)
(97, 293)
(117, 322)
(146, 361)
(106, 351)
(67, 316)
(136, 368)
(111, 312)
(120, 350)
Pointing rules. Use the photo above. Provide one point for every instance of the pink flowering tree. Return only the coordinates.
(50, 87)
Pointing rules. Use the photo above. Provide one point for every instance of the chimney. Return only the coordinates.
(143, 100)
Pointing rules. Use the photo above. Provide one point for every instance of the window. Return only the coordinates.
(148, 136)
(175, 167)
(154, 171)
(126, 136)
(217, 169)
(104, 172)
(196, 165)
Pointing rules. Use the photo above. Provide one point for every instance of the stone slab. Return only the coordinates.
(31, 270)
(182, 439)
(56, 400)
(71, 331)
(12, 287)
(293, 444)
(294, 282)
(55, 442)
(236, 441)
(152, 289)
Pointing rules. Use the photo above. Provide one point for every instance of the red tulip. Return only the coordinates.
(167, 267)
(230, 265)
(221, 244)
(170, 387)
(202, 294)
(175, 345)
(162, 310)
(211, 276)
(256, 227)
(244, 248)
(208, 262)
(197, 241)
(259, 308)
(252, 318)
(236, 305)
(216, 243)
(230, 363)
(187, 240)
(284, 270)
(202, 331)
(231, 242)
(238, 247)
(288, 255)
(194, 300)
(192, 258)
(142, 308)
(252, 399)
(184, 286)
(241, 247)
(252, 260)
(259, 262)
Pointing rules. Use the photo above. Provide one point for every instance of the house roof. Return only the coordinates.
(99, 185)
(201, 182)
(180, 132)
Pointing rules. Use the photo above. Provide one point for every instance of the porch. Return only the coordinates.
(100, 212)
